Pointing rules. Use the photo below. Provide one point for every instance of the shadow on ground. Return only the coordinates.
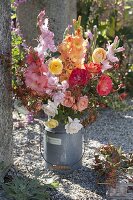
(86, 178)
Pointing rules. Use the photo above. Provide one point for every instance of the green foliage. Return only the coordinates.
(24, 189)
(111, 18)
(12, 1)
(17, 56)
(17, 50)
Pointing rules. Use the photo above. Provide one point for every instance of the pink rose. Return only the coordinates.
(74, 107)
(68, 100)
(82, 103)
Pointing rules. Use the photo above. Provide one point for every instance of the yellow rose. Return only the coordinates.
(55, 66)
(52, 123)
(98, 55)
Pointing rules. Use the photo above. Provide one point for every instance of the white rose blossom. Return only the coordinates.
(73, 126)
(50, 109)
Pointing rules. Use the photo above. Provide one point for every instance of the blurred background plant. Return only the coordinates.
(112, 18)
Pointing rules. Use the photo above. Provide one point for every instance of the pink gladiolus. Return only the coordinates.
(106, 65)
(120, 49)
(110, 54)
(112, 49)
(46, 38)
(36, 82)
(35, 75)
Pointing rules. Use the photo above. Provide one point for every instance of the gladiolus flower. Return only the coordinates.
(112, 49)
(106, 65)
(33, 57)
(35, 81)
(104, 86)
(46, 38)
(98, 55)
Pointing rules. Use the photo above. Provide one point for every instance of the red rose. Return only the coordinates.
(93, 68)
(78, 77)
(104, 86)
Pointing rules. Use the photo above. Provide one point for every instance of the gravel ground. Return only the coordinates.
(111, 126)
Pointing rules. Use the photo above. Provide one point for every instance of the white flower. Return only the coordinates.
(73, 126)
(50, 109)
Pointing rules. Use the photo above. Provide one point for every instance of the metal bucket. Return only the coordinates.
(62, 151)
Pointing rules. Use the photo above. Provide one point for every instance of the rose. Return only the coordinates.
(50, 109)
(98, 55)
(82, 103)
(73, 126)
(78, 77)
(52, 123)
(105, 85)
(55, 66)
(68, 100)
(93, 68)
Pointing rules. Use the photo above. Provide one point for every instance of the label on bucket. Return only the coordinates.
(52, 140)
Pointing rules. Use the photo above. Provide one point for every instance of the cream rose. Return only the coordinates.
(99, 55)
(52, 123)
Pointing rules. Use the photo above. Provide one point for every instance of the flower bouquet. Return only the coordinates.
(70, 81)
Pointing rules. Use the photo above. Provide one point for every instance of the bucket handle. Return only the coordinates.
(59, 167)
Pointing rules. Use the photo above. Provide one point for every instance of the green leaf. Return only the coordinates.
(55, 184)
